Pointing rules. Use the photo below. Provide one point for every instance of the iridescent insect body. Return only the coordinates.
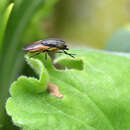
(48, 45)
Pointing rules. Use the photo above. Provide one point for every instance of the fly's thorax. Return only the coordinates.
(55, 43)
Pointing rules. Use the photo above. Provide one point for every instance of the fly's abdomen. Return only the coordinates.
(35, 47)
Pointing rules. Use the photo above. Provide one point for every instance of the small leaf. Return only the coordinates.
(96, 98)
(70, 63)
(31, 85)
(39, 68)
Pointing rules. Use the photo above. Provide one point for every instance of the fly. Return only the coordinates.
(48, 45)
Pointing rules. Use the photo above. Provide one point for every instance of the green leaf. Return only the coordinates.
(36, 29)
(11, 58)
(3, 22)
(39, 68)
(3, 3)
(16, 27)
(70, 63)
(95, 98)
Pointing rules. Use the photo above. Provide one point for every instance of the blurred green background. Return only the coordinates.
(101, 24)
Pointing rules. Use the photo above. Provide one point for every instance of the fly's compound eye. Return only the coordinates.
(65, 47)
(61, 45)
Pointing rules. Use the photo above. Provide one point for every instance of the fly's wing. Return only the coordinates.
(35, 47)
(55, 43)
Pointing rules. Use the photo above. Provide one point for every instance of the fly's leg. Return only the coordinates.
(68, 54)
(46, 52)
(39, 53)
(34, 55)
(46, 55)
